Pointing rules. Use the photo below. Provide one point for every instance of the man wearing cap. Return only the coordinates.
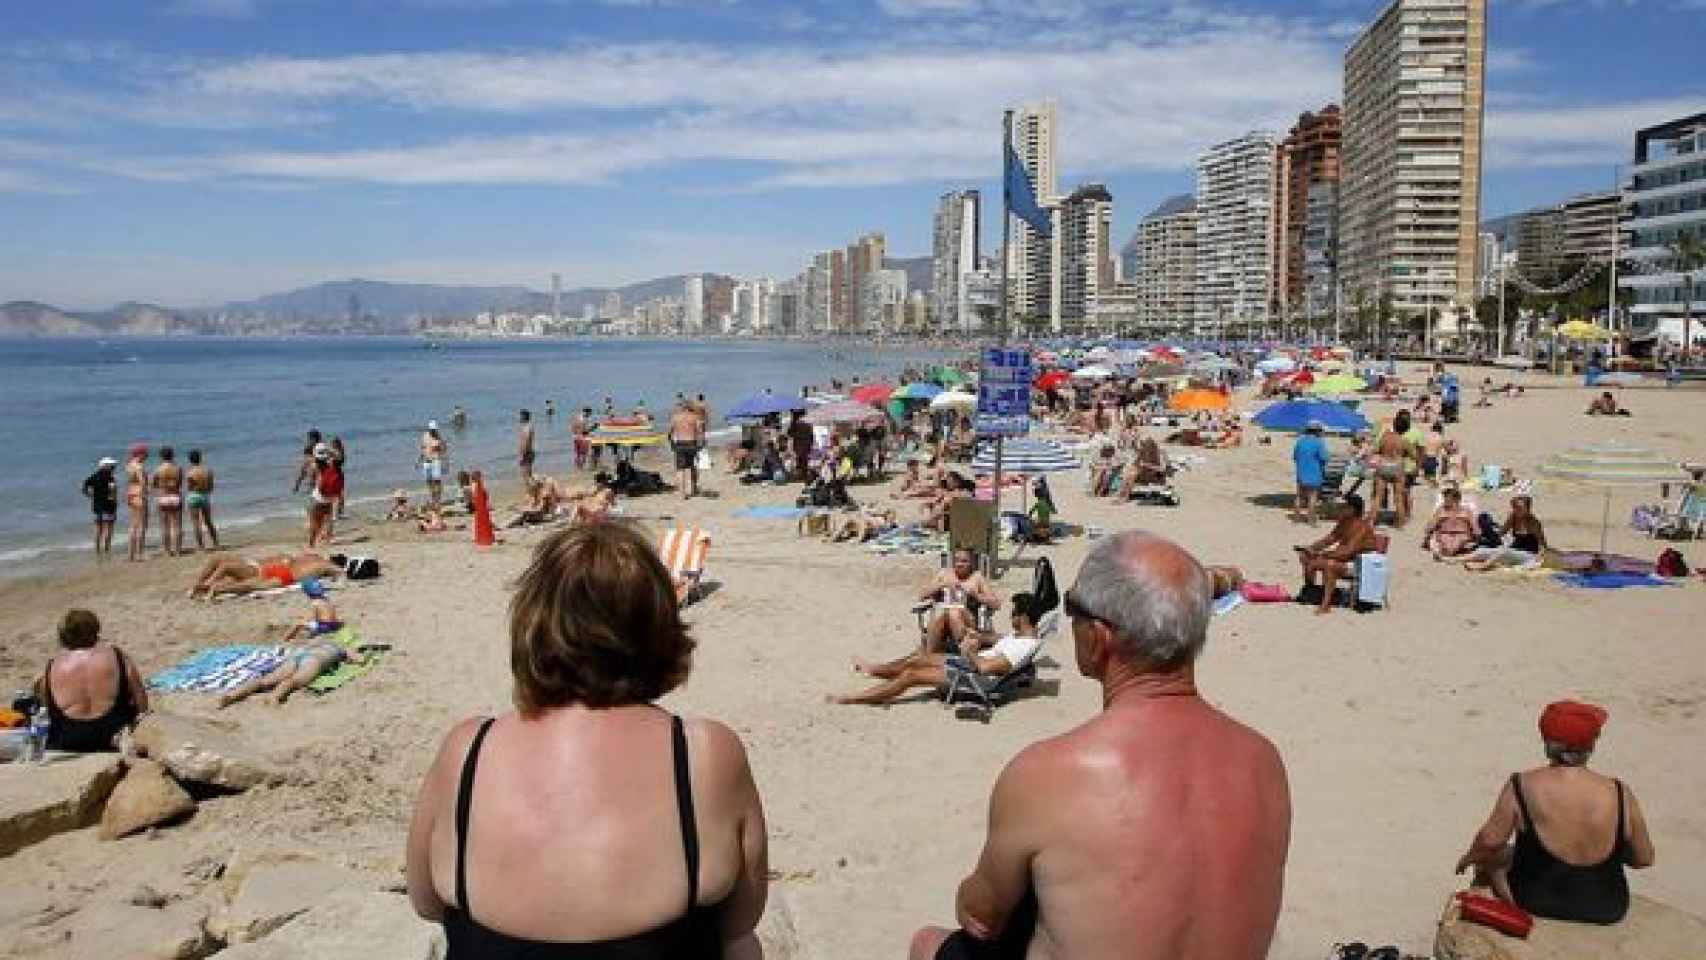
(1309, 456)
(1575, 829)
(102, 490)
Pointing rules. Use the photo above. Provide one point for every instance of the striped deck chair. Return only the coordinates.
(683, 550)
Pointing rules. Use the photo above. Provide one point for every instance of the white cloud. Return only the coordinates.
(1575, 136)
(23, 181)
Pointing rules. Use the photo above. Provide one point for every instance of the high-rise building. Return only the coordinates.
(818, 297)
(1540, 245)
(1666, 203)
(1031, 259)
(613, 304)
(954, 258)
(840, 304)
(1410, 197)
(1321, 250)
(864, 257)
(1086, 255)
(1589, 222)
(1164, 269)
(693, 304)
(1487, 263)
(556, 298)
(882, 300)
(785, 307)
(1308, 180)
(1235, 227)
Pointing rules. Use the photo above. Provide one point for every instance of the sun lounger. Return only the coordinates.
(683, 551)
(1688, 520)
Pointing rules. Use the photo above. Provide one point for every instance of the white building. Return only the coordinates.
(1086, 255)
(954, 252)
(693, 305)
(1666, 201)
(882, 300)
(1235, 231)
(1163, 264)
(1031, 260)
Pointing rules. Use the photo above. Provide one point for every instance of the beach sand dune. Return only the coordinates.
(1397, 726)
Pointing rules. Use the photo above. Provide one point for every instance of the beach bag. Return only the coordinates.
(1671, 564)
(1488, 531)
(702, 460)
(1044, 588)
(1507, 918)
(360, 568)
(1265, 592)
(1371, 579)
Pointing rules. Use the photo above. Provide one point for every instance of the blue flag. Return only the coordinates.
(1022, 197)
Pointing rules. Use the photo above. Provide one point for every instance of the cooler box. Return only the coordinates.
(1371, 578)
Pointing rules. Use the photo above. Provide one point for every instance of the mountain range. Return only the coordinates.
(347, 306)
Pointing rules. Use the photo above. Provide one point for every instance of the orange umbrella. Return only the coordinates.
(1192, 400)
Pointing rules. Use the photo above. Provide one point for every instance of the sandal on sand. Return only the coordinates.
(1384, 953)
(1354, 950)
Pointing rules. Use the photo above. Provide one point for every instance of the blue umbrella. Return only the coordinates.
(1293, 416)
(761, 405)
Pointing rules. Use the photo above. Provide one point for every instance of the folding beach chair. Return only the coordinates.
(988, 691)
(683, 550)
(1688, 520)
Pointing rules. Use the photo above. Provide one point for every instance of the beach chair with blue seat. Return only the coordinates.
(987, 692)
(1687, 521)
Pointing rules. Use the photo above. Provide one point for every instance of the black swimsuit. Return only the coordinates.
(94, 735)
(694, 934)
(1548, 887)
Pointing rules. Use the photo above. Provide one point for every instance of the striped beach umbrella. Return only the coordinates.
(1608, 466)
(849, 412)
(1024, 456)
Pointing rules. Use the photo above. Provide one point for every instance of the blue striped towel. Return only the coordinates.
(218, 669)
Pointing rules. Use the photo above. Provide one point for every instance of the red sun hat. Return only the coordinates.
(1574, 725)
(139, 450)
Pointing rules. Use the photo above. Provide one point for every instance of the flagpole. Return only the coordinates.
(1001, 333)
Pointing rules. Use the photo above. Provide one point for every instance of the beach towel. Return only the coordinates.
(218, 669)
(347, 670)
(1612, 580)
(764, 512)
(1228, 603)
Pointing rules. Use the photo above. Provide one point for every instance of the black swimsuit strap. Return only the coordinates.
(684, 803)
(464, 807)
(1521, 804)
(1620, 828)
(122, 699)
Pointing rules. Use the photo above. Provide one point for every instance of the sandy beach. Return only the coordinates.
(1396, 726)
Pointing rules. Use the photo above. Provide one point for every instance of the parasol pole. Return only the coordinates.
(1001, 332)
(1605, 522)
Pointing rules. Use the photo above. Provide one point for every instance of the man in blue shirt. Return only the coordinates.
(1310, 457)
(1448, 398)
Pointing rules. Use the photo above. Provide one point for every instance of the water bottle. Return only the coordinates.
(40, 724)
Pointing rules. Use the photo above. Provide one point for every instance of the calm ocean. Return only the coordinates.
(247, 402)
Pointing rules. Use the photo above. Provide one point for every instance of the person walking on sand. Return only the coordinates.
(328, 487)
(305, 470)
(1309, 462)
(1159, 829)
(524, 452)
(432, 462)
(339, 458)
(199, 502)
(580, 426)
(168, 483)
(686, 438)
(101, 487)
(136, 499)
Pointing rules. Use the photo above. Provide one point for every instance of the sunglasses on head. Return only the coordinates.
(1075, 609)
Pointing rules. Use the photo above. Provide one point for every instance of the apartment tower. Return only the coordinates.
(1032, 276)
(1306, 211)
(954, 256)
(1164, 265)
(1410, 200)
(1235, 230)
(1666, 196)
(1085, 252)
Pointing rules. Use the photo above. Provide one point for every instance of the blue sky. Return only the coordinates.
(193, 151)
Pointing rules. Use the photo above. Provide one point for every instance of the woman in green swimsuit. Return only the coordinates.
(198, 482)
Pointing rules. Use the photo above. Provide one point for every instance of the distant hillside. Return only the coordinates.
(917, 271)
(24, 318)
(383, 302)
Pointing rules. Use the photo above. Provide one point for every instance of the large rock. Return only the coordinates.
(204, 752)
(1651, 931)
(38, 800)
(272, 890)
(349, 925)
(176, 931)
(146, 797)
(776, 928)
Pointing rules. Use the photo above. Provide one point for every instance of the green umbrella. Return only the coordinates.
(947, 376)
(1338, 383)
(1607, 466)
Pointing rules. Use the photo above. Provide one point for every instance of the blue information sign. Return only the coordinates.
(1004, 393)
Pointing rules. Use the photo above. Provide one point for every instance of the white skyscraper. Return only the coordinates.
(693, 305)
(1031, 264)
(955, 255)
(1235, 230)
(1086, 258)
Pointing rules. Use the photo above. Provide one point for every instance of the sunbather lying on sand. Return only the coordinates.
(936, 669)
(315, 656)
(859, 527)
(227, 573)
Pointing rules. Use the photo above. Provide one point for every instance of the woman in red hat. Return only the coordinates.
(1576, 830)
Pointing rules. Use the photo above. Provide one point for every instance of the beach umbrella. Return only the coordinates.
(765, 404)
(1051, 380)
(1338, 383)
(1276, 364)
(624, 434)
(1024, 456)
(947, 376)
(1302, 378)
(1193, 400)
(845, 412)
(1092, 372)
(1047, 356)
(873, 393)
(954, 400)
(1582, 330)
(1293, 416)
(1605, 467)
(916, 391)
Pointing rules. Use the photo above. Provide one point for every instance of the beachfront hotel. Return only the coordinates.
(1164, 263)
(1665, 197)
(1033, 281)
(1235, 231)
(1086, 260)
(954, 256)
(1410, 194)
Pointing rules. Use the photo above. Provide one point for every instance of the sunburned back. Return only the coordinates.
(168, 478)
(85, 683)
(1391, 444)
(1575, 813)
(1169, 841)
(573, 832)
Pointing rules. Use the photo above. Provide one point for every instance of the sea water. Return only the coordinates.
(247, 402)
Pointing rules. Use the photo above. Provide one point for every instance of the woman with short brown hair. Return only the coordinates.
(590, 822)
(91, 690)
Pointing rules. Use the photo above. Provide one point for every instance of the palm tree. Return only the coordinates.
(1689, 252)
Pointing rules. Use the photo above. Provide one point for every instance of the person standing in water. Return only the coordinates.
(199, 482)
(136, 498)
(305, 470)
(459, 418)
(168, 485)
(432, 462)
(580, 425)
(102, 490)
(525, 453)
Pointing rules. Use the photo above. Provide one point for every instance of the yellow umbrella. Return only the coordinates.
(1200, 400)
(1582, 330)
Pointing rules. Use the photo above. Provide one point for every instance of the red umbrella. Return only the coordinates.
(1303, 377)
(873, 393)
(1051, 380)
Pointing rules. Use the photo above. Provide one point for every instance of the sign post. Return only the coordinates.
(1003, 410)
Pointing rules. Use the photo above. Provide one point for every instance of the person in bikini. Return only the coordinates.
(1391, 455)
(315, 656)
(1527, 540)
(525, 454)
(136, 498)
(432, 462)
(937, 670)
(954, 592)
(227, 573)
(861, 526)
(199, 482)
(1451, 531)
(168, 484)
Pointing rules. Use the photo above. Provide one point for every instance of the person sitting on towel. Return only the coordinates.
(1575, 829)
(1451, 531)
(1605, 405)
(937, 670)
